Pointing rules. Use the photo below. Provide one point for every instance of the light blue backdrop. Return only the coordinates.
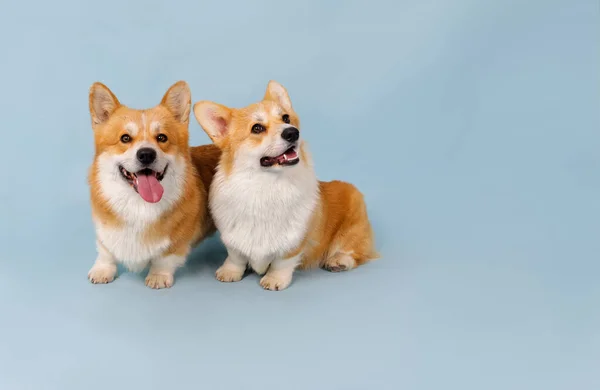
(472, 127)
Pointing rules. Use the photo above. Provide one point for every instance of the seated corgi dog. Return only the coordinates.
(149, 202)
(271, 211)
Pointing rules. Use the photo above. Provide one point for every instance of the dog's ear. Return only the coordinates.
(214, 119)
(102, 103)
(277, 93)
(178, 100)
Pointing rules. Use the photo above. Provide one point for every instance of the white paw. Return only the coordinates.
(229, 273)
(275, 281)
(102, 274)
(158, 281)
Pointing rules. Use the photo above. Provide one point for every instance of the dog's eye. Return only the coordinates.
(125, 138)
(256, 129)
(285, 118)
(161, 138)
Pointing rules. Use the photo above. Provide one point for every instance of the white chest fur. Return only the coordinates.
(128, 245)
(263, 214)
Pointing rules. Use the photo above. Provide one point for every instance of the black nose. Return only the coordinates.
(146, 155)
(291, 134)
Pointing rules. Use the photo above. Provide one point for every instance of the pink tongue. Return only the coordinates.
(149, 188)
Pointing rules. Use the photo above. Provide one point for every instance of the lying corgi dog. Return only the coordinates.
(149, 202)
(271, 211)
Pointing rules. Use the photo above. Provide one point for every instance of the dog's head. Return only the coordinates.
(261, 136)
(140, 151)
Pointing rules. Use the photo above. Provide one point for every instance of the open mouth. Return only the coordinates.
(289, 157)
(146, 183)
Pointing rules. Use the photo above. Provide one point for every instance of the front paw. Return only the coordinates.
(158, 281)
(102, 274)
(275, 281)
(229, 273)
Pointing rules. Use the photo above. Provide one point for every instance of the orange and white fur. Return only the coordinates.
(149, 202)
(271, 211)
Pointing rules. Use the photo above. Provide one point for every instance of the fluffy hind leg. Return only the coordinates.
(347, 234)
(339, 262)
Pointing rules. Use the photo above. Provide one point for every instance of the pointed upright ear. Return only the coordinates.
(178, 100)
(102, 103)
(277, 93)
(214, 119)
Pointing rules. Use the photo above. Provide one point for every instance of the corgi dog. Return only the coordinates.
(149, 201)
(272, 213)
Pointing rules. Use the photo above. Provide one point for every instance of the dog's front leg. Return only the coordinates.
(105, 267)
(279, 275)
(233, 268)
(162, 269)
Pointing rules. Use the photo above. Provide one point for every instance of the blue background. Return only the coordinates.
(471, 126)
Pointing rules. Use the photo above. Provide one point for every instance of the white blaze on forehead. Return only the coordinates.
(154, 127)
(276, 111)
(132, 128)
(259, 116)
